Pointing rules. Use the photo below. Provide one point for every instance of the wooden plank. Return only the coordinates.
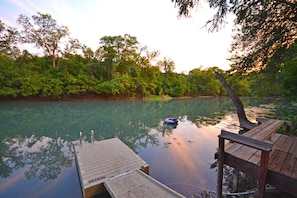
(289, 147)
(269, 128)
(294, 172)
(274, 161)
(255, 159)
(257, 129)
(262, 132)
(288, 165)
(293, 149)
(232, 147)
(245, 152)
(278, 159)
(138, 184)
(287, 144)
(276, 146)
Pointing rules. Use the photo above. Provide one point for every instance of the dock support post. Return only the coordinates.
(92, 137)
(235, 180)
(263, 173)
(80, 138)
(221, 156)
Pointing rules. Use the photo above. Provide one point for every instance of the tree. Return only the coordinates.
(203, 82)
(167, 65)
(262, 28)
(45, 33)
(119, 53)
(71, 47)
(289, 71)
(8, 40)
(244, 122)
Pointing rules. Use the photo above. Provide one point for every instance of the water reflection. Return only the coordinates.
(37, 138)
(43, 157)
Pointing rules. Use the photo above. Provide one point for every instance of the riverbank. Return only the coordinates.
(98, 98)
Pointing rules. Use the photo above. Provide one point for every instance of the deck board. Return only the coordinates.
(274, 161)
(294, 173)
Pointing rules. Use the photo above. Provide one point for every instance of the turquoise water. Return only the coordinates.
(37, 158)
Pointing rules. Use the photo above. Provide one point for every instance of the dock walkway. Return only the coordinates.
(263, 154)
(111, 166)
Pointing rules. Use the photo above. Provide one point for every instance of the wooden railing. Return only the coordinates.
(246, 148)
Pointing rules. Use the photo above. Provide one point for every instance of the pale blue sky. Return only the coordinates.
(153, 22)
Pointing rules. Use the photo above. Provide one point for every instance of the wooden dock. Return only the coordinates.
(263, 154)
(111, 166)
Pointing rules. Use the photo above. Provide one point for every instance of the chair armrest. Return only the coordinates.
(247, 141)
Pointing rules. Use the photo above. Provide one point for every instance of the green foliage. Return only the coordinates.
(290, 80)
(261, 28)
(45, 33)
(240, 84)
(10, 77)
(53, 88)
(114, 87)
(289, 73)
(119, 67)
(203, 82)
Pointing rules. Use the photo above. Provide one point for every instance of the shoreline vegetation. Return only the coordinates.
(99, 98)
(65, 69)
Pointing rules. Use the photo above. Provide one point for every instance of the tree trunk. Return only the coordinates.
(243, 121)
(53, 60)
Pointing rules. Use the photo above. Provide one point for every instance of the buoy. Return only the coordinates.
(170, 120)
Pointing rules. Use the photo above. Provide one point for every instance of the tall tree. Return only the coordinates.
(263, 27)
(8, 40)
(166, 65)
(45, 33)
(244, 122)
(118, 53)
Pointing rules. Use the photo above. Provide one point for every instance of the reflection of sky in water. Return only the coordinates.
(37, 156)
(18, 186)
(34, 179)
(183, 157)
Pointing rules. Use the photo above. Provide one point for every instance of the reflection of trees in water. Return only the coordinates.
(166, 129)
(205, 121)
(133, 122)
(237, 181)
(42, 157)
(140, 140)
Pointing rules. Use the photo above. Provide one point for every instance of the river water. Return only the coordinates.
(37, 156)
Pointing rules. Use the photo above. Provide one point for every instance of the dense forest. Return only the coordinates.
(119, 67)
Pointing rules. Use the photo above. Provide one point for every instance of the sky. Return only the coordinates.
(155, 24)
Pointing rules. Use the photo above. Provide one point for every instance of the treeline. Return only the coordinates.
(76, 76)
(33, 76)
(119, 67)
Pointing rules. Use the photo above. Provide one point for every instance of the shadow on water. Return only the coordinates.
(37, 152)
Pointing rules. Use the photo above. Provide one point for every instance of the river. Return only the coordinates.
(37, 157)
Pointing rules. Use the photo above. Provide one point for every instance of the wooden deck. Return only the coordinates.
(102, 165)
(262, 154)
